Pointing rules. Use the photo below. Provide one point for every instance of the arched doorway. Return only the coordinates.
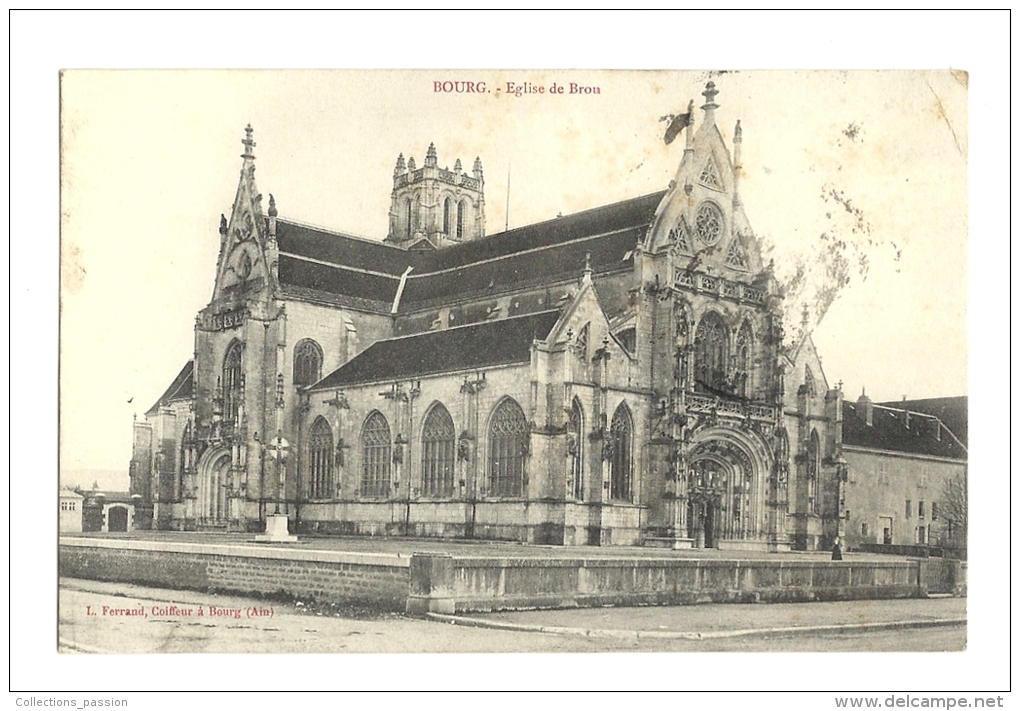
(117, 519)
(725, 488)
(214, 470)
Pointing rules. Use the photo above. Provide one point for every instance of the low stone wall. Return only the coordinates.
(425, 582)
(379, 580)
(447, 584)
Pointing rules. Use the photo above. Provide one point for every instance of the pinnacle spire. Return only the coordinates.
(710, 106)
(248, 144)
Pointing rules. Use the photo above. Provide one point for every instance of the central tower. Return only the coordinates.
(432, 207)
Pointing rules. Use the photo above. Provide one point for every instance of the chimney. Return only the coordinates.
(864, 409)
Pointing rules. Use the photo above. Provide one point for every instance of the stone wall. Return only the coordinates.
(450, 585)
(379, 580)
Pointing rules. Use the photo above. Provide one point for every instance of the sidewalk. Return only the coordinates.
(720, 621)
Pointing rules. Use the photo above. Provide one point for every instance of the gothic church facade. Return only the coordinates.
(617, 376)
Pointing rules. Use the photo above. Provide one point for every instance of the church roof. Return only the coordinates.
(351, 267)
(180, 389)
(889, 430)
(480, 345)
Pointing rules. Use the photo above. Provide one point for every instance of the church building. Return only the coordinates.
(618, 376)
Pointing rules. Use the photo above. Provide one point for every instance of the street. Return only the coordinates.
(97, 617)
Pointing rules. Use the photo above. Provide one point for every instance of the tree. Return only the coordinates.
(953, 511)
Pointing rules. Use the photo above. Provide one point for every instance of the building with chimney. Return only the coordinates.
(616, 376)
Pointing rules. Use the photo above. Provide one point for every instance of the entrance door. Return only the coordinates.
(117, 519)
(212, 495)
(886, 523)
(710, 525)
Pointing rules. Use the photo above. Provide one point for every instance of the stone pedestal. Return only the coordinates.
(276, 531)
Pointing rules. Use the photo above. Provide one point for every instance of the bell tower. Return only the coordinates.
(432, 207)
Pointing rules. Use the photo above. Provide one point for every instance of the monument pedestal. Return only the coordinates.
(276, 531)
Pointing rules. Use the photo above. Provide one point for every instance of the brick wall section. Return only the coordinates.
(449, 584)
(368, 579)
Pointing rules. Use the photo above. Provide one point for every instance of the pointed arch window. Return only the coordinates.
(447, 215)
(711, 353)
(809, 381)
(813, 466)
(231, 381)
(375, 456)
(307, 362)
(621, 457)
(508, 445)
(438, 440)
(461, 218)
(745, 359)
(408, 217)
(320, 460)
(575, 449)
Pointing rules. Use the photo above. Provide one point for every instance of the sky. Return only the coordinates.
(156, 160)
(151, 159)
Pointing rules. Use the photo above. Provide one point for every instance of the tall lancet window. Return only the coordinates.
(447, 215)
(575, 449)
(711, 352)
(461, 218)
(231, 382)
(745, 360)
(320, 460)
(375, 457)
(508, 443)
(438, 441)
(621, 463)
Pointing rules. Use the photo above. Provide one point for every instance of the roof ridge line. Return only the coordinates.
(487, 260)
(324, 263)
(465, 325)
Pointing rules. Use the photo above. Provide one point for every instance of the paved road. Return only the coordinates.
(170, 622)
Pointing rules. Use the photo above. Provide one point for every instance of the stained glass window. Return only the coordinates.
(508, 439)
(745, 358)
(709, 223)
(620, 462)
(575, 440)
(231, 381)
(375, 457)
(320, 460)
(711, 346)
(438, 452)
(307, 362)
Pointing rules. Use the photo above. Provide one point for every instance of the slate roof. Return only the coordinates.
(548, 251)
(888, 431)
(479, 345)
(951, 410)
(180, 389)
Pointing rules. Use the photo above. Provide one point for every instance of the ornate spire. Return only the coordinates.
(248, 144)
(457, 167)
(430, 156)
(738, 138)
(710, 106)
(477, 169)
(411, 165)
(400, 167)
